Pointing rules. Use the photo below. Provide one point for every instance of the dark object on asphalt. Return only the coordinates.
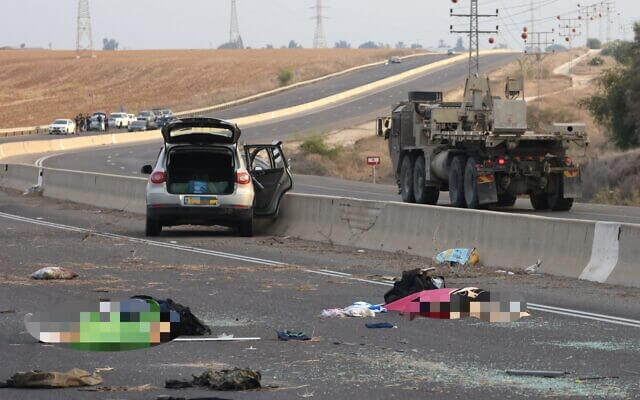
(413, 281)
(229, 379)
(189, 325)
(52, 380)
(540, 374)
(177, 384)
(165, 397)
(290, 335)
(379, 325)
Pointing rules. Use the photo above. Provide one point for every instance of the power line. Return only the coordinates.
(235, 38)
(84, 36)
(474, 34)
(319, 39)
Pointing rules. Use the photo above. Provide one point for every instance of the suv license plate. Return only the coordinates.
(200, 201)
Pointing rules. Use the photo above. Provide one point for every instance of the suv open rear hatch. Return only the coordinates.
(201, 131)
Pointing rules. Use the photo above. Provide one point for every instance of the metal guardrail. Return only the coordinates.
(36, 130)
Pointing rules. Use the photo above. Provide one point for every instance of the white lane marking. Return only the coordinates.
(154, 243)
(326, 272)
(604, 252)
(538, 307)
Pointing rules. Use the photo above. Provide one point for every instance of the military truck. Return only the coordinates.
(480, 150)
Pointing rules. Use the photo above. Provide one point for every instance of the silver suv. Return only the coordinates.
(202, 177)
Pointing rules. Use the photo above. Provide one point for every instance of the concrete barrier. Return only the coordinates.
(18, 177)
(595, 251)
(99, 190)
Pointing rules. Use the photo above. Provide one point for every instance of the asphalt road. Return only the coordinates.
(420, 359)
(300, 95)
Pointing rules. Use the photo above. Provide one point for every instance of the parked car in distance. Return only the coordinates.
(450, 52)
(150, 117)
(62, 127)
(139, 125)
(95, 124)
(132, 118)
(118, 120)
(203, 177)
(395, 60)
(165, 117)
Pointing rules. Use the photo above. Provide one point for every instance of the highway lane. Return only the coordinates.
(299, 95)
(448, 359)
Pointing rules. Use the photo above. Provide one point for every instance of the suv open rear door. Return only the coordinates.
(270, 169)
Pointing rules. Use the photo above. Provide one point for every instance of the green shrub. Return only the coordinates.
(316, 145)
(285, 76)
(594, 43)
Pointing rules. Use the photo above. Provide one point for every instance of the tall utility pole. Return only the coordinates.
(319, 39)
(234, 31)
(609, 12)
(569, 30)
(84, 37)
(474, 34)
(539, 44)
(587, 14)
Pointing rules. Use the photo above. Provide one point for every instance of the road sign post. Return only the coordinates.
(373, 161)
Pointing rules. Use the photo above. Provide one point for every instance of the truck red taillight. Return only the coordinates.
(243, 178)
(501, 162)
(158, 177)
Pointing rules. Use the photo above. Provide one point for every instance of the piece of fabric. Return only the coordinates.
(53, 273)
(413, 281)
(290, 335)
(53, 380)
(189, 325)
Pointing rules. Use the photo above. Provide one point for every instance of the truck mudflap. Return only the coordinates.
(572, 183)
(487, 189)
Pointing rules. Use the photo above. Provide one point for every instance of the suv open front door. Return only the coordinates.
(269, 168)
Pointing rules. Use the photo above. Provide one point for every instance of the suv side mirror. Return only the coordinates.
(147, 170)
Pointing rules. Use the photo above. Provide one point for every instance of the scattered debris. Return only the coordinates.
(595, 378)
(361, 251)
(533, 269)
(224, 380)
(501, 271)
(358, 309)
(52, 380)
(380, 325)
(165, 397)
(459, 303)
(48, 273)
(413, 281)
(141, 388)
(217, 339)
(458, 257)
(7, 311)
(34, 190)
(223, 335)
(540, 374)
(189, 325)
(290, 335)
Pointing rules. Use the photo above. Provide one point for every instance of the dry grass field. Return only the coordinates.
(37, 86)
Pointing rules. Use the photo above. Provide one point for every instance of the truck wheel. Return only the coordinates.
(456, 182)
(471, 184)
(506, 200)
(152, 227)
(555, 198)
(423, 194)
(539, 201)
(406, 176)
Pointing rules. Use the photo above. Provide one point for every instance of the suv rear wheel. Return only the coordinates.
(246, 227)
(152, 227)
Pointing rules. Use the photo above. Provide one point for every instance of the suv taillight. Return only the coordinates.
(243, 178)
(158, 177)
